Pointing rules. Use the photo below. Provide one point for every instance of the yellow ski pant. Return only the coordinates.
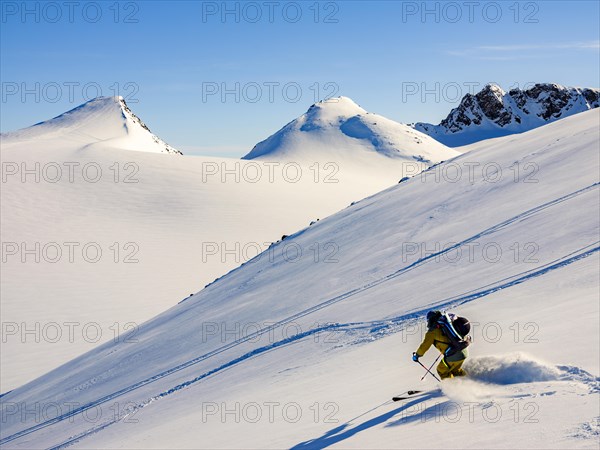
(449, 369)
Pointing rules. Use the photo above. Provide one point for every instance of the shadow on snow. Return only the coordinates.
(347, 430)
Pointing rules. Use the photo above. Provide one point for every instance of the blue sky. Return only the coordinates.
(172, 61)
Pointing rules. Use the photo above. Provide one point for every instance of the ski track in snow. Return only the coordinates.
(370, 330)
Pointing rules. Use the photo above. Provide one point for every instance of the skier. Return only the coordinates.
(448, 333)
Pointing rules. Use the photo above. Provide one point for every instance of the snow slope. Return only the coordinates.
(306, 352)
(98, 239)
(339, 130)
(493, 112)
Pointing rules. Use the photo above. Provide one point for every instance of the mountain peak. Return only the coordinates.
(339, 130)
(338, 103)
(493, 112)
(106, 121)
(330, 112)
(491, 92)
(494, 87)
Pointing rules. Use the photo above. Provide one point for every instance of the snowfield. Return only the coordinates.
(306, 351)
(98, 238)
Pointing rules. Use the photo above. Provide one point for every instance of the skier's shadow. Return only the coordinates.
(342, 432)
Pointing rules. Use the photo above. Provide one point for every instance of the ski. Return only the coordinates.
(406, 396)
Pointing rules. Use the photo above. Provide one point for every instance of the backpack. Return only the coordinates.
(454, 328)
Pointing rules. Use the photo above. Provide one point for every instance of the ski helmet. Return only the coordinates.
(432, 318)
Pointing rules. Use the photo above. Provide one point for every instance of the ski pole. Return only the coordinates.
(430, 367)
(428, 371)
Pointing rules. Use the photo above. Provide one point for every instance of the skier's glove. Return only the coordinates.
(415, 357)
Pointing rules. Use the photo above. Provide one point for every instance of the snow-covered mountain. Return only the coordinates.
(340, 130)
(492, 112)
(164, 226)
(306, 352)
(104, 121)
